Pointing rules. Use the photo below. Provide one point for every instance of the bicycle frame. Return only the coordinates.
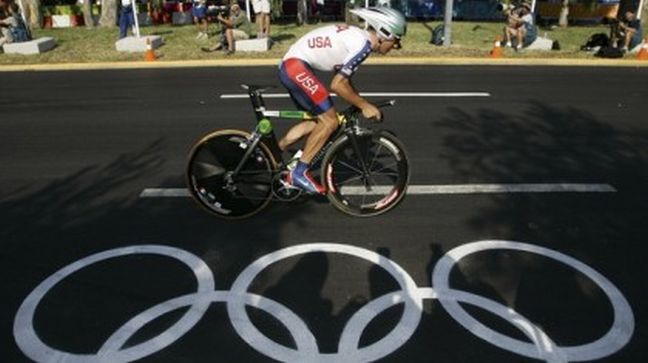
(264, 130)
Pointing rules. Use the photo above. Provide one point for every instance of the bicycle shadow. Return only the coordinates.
(47, 226)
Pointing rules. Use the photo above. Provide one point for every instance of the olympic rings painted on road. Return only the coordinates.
(306, 347)
(618, 335)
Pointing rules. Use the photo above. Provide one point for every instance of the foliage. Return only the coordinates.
(62, 10)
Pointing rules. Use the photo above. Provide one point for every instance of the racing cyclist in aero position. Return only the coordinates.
(339, 48)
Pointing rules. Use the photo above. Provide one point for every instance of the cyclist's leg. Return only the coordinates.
(300, 176)
(327, 123)
(295, 133)
(311, 95)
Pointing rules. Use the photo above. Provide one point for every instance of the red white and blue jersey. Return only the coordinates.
(334, 47)
(340, 48)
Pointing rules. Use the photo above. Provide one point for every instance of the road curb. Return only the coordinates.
(461, 61)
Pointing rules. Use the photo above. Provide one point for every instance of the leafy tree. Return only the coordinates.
(108, 13)
(563, 19)
(32, 13)
(87, 14)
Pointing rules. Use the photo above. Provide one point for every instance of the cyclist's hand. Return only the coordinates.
(371, 112)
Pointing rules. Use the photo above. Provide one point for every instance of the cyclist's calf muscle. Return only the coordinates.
(327, 124)
(295, 133)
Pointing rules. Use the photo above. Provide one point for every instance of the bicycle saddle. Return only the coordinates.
(257, 88)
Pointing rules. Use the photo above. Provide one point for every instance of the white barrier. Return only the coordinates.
(253, 45)
(134, 44)
(35, 46)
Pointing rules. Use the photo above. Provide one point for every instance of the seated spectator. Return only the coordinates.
(520, 31)
(235, 27)
(12, 26)
(199, 13)
(628, 31)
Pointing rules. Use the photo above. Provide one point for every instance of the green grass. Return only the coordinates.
(470, 39)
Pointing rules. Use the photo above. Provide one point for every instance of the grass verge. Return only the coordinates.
(470, 39)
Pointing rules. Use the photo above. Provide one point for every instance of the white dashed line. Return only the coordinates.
(435, 189)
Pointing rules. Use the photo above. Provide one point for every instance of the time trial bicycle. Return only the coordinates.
(235, 173)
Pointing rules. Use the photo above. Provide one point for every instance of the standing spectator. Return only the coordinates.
(520, 27)
(12, 27)
(235, 27)
(126, 18)
(262, 16)
(629, 31)
(199, 12)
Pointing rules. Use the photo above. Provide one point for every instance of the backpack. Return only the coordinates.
(437, 35)
(596, 40)
(609, 52)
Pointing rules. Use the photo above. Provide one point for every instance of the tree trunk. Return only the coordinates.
(108, 13)
(564, 14)
(33, 13)
(644, 17)
(87, 14)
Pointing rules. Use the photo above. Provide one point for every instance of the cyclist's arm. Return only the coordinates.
(359, 50)
(343, 87)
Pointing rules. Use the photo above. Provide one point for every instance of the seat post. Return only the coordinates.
(257, 103)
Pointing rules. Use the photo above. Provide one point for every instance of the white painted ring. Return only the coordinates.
(36, 349)
(392, 341)
(617, 337)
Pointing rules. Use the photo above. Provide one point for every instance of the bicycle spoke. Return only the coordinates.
(375, 157)
(346, 181)
(349, 166)
(385, 167)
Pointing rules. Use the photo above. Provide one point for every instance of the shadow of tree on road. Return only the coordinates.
(96, 209)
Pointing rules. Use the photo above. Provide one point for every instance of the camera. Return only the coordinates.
(215, 10)
(504, 7)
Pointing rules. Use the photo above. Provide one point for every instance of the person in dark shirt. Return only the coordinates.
(629, 31)
(235, 27)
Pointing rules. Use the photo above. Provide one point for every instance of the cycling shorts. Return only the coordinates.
(199, 12)
(305, 89)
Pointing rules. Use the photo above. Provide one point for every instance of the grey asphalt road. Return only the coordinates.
(539, 276)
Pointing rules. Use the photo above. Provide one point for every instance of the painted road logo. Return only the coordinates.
(539, 345)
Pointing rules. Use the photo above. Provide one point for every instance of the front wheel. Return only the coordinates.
(213, 183)
(366, 177)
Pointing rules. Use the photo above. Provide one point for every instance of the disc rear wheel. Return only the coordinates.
(213, 184)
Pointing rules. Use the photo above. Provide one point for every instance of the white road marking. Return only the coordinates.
(435, 189)
(374, 94)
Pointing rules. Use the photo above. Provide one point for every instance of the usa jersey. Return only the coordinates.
(334, 47)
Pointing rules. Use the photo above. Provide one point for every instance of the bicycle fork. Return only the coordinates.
(363, 165)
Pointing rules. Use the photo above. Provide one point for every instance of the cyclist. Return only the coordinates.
(338, 48)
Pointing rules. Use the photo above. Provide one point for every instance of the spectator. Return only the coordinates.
(199, 12)
(520, 30)
(12, 27)
(628, 31)
(126, 18)
(262, 17)
(235, 27)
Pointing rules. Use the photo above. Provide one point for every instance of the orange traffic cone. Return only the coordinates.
(497, 48)
(643, 52)
(149, 56)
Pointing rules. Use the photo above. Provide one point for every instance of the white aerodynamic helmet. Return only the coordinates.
(389, 23)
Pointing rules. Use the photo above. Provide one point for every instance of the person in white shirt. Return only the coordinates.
(520, 28)
(126, 18)
(341, 49)
(199, 13)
